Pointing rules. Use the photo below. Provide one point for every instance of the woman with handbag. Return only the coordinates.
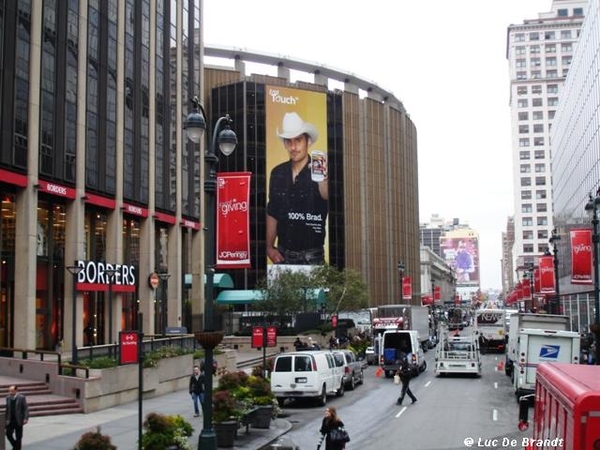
(332, 431)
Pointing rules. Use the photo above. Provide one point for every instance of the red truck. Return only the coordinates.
(567, 408)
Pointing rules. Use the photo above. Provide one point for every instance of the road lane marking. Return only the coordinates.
(495, 415)
(428, 383)
(496, 385)
(401, 411)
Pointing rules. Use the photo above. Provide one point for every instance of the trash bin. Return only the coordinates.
(283, 444)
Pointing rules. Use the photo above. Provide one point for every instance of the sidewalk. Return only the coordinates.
(121, 424)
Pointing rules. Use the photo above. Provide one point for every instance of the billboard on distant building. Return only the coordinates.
(461, 253)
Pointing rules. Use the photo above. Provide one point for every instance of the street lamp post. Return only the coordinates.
(74, 271)
(110, 273)
(432, 290)
(209, 338)
(592, 208)
(401, 268)
(163, 310)
(555, 306)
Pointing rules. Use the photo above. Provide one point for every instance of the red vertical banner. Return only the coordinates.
(519, 289)
(536, 280)
(128, 347)
(437, 294)
(547, 282)
(406, 289)
(526, 288)
(581, 256)
(233, 220)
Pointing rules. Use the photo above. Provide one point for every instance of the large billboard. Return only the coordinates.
(461, 253)
(297, 176)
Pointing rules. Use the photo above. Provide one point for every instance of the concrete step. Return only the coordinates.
(41, 401)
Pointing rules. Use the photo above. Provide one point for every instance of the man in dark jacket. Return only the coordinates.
(405, 373)
(197, 389)
(17, 415)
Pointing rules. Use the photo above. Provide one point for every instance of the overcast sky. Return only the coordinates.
(446, 62)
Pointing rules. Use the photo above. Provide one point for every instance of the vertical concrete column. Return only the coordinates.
(198, 281)
(175, 283)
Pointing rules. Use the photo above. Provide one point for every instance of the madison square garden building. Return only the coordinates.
(96, 171)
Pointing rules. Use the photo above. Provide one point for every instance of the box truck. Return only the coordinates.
(521, 321)
(403, 317)
(567, 408)
(489, 329)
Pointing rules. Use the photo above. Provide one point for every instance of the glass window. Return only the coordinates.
(565, 34)
(536, 74)
(539, 154)
(527, 222)
(520, 37)
(524, 155)
(552, 89)
(526, 208)
(524, 142)
(578, 11)
(566, 60)
(520, 50)
(537, 115)
(542, 221)
(551, 114)
(542, 234)
(552, 101)
(538, 128)
(527, 248)
(540, 181)
(523, 115)
(541, 207)
(540, 168)
(521, 75)
(552, 74)
(566, 47)
(522, 103)
(537, 102)
(520, 63)
(525, 168)
(549, 35)
(540, 194)
(523, 129)
(562, 12)
(525, 195)
(551, 61)
(550, 48)
(534, 49)
(527, 234)
(536, 62)
(521, 90)
(536, 89)
(534, 36)
(525, 181)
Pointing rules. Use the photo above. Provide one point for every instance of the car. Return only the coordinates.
(370, 355)
(353, 367)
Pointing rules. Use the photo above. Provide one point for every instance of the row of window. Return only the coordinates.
(537, 154)
(565, 47)
(535, 115)
(540, 221)
(541, 234)
(525, 142)
(539, 181)
(537, 89)
(528, 248)
(540, 194)
(537, 74)
(548, 35)
(539, 207)
(537, 102)
(524, 129)
(550, 61)
(539, 168)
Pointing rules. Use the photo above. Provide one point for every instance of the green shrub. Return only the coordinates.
(161, 431)
(101, 362)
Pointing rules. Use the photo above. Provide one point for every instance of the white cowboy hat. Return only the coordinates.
(294, 126)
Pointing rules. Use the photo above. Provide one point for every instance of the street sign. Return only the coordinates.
(153, 280)
(128, 347)
(260, 333)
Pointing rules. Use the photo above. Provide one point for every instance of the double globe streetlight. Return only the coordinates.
(226, 139)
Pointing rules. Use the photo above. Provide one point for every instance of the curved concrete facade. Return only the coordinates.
(376, 220)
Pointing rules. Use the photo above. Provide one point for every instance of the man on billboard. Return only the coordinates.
(464, 262)
(298, 195)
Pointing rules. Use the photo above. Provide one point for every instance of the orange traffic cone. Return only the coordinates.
(500, 366)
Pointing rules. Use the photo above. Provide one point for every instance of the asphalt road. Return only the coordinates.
(451, 413)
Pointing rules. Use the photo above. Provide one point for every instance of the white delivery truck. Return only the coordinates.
(397, 345)
(535, 346)
(521, 321)
(489, 329)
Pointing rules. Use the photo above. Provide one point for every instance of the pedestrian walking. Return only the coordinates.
(331, 423)
(17, 415)
(197, 389)
(405, 374)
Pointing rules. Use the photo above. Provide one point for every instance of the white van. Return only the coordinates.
(396, 345)
(306, 374)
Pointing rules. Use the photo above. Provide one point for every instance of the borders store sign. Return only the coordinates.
(94, 277)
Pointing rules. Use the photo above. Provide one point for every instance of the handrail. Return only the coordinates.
(74, 368)
(25, 351)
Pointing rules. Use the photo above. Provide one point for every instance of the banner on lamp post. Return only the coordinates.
(546, 269)
(581, 256)
(519, 291)
(406, 288)
(536, 280)
(526, 285)
(437, 294)
(233, 220)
